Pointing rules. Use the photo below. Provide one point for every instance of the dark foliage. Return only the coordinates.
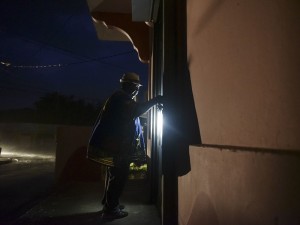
(54, 108)
(18, 115)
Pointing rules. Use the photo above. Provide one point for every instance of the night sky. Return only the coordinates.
(51, 46)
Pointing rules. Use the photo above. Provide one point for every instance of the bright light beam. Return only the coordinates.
(160, 120)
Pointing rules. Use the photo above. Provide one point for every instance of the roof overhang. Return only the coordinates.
(126, 20)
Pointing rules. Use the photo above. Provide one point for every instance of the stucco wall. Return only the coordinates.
(71, 162)
(227, 187)
(244, 62)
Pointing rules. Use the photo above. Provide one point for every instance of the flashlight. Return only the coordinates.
(160, 121)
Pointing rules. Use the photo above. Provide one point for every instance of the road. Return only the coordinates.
(23, 183)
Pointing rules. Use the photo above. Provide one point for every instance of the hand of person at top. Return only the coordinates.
(159, 99)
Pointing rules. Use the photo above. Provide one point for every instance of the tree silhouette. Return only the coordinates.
(56, 108)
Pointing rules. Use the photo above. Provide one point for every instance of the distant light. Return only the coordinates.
(5, 63)
(12, 152)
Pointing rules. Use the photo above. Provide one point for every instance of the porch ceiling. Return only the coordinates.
(115, 6)
(113, 21)
(109, 6)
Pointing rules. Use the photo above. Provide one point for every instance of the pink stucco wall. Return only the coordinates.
(244, 61)
(71, 163)
(243, 188)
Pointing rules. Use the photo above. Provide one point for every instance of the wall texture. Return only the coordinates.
(71, 162)
(244, 61)
(243, 187)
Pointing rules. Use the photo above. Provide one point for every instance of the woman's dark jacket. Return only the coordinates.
(116, 129)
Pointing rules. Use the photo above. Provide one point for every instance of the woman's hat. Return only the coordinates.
(131, 78)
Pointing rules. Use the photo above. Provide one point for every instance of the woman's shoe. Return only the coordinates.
(117, 214)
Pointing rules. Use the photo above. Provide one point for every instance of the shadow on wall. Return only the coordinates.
(79, 168)
(208, 11)
(203, 211)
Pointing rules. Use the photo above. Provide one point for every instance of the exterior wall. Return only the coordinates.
(227, 187)
(244, 62)
(71, 162)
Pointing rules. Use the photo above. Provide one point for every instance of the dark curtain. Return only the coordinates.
(180, 118)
